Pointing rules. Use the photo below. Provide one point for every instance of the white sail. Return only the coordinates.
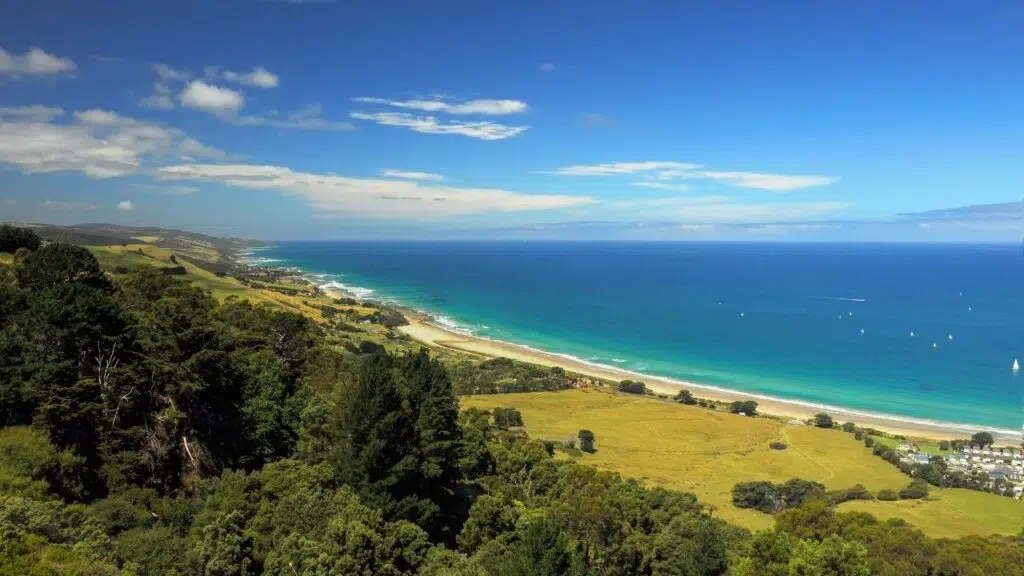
(1016, 365)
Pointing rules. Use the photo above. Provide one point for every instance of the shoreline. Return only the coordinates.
(423, 328)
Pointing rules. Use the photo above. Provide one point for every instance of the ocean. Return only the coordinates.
(928, 332)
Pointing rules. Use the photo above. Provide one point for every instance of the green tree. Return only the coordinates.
(823, 420)
(685, 397)
(586, 438)
(833, 556)
(224, 550)
(541, 549)
(982, 439)
(12, 238)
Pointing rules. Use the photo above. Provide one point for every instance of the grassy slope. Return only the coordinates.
(690, 448)
(127, 256)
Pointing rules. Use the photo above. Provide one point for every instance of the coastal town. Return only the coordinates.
(1003, 467)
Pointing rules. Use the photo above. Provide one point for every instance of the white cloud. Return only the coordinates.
(210, 98)
(471, 107)
(657, 171)
(771, 182)
(259, 77)
(430, 125)
(125, 206)
(52, 205)
(160, 99)
(35, 62)
(165, 72)
(547, 67)
(406, 175)
(10, 202)
(660, 185)
(613, 168)
(337, 195)
(780, 229)
(97, 143)
(306, 118)
(30, 113)
(182, 190)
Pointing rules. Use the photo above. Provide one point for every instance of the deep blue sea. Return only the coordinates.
(925, 331)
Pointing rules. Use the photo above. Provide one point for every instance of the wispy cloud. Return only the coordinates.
(660, 185)
(35, 62)
(258, 77)
(182, 190)
(337, 195)
(30, 113)
(430, 125)
(160, 99)
(999, 211)
(97, 143)
(169, 74)
(57, 205)
(547, 67)
(470, 107)
(125, 206)
(667, 171)
(407, 175)
(306, 118)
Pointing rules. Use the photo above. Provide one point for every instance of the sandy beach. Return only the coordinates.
(422, 329)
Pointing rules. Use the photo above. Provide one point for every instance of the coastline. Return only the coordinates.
(423, 328)
(426, 328)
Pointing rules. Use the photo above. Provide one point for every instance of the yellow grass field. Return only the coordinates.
(705, 452)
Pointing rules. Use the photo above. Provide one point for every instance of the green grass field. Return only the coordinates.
(707, 453)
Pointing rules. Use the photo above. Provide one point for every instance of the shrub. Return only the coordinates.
(11, 239)
(869, 441)
(586, 438)
(888, 495)
(631, 387)
(823, 420)
(944, 445)
(685, 397)
(505, 418)
(849, 427)
(777, 445)
(771, 498)
(856, 492)
(915, 491)
(368, 347)
(747, 407)
(858, 435)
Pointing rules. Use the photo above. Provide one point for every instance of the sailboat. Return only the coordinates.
(1016, 365)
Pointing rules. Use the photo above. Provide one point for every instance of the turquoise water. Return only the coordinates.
(823, 324)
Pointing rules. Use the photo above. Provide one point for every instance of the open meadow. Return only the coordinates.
(708, 452)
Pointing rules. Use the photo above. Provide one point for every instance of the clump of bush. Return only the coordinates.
(586, 438)
(915, 491)
(631, 387)
(505, 418)
(857, 492)
(888, 495)
(747, 407)
(772, 498)
(777, 445)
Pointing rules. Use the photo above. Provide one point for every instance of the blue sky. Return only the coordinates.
(754, 120)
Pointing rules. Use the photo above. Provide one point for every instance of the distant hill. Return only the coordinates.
(192, 244)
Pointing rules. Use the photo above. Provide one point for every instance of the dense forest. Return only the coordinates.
(148, 429)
